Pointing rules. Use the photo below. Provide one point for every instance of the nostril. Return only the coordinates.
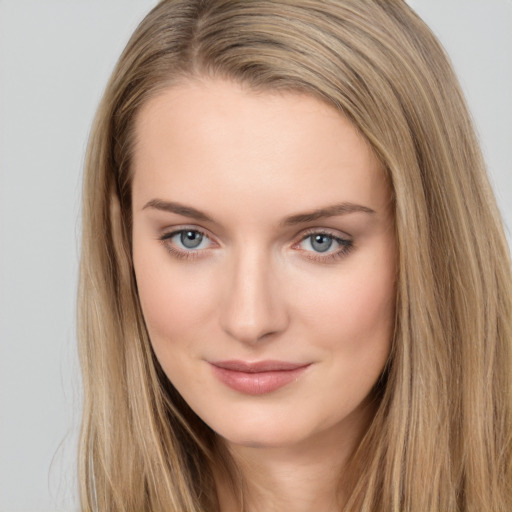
(254, 322)
(251, 333)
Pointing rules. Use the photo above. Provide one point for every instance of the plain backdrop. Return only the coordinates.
(55, 58)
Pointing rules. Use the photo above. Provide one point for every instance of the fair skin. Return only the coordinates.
(263, 236)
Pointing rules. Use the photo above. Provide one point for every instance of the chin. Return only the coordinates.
(263, 433)
(261, 439)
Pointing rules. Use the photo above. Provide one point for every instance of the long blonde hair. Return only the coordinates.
(441, 439)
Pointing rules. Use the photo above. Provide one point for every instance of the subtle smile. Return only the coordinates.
(257, 378)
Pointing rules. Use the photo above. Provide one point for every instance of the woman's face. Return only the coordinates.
(264, 254)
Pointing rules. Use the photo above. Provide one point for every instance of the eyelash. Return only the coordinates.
(346, 245)
(182, 254)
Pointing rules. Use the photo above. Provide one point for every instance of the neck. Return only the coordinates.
(304, 477)
(281, 482)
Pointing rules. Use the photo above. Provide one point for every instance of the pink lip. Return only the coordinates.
(259, 377)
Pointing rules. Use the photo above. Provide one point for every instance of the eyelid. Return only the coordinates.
(173, 230)
(334, 233)
(167, 235)
(344, 240)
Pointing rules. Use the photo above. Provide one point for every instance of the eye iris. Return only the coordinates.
(191, 239)
(321, 243)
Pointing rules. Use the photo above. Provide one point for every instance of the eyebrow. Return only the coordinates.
(329, 211)
(179, 209)
(300, 218)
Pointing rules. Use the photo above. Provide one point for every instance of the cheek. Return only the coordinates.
(353, 306)
(176, 303)
(351, 320)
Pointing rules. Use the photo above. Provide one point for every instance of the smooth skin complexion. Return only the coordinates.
(264, 253)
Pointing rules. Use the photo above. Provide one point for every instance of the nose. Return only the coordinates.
(253, 308)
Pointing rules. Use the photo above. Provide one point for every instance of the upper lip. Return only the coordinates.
(258, 366)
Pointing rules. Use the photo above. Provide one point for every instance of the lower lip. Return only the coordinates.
(258, 383)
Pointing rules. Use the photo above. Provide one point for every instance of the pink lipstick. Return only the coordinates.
(259, 377)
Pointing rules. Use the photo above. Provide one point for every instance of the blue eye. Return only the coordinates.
(324, 246)
(320, 242)
(185, 242)
(189, 239)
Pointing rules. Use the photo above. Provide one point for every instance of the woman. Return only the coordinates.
(295, 289)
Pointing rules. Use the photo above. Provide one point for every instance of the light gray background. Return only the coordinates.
(55, 57)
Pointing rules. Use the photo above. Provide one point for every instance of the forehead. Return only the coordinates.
(216, 138)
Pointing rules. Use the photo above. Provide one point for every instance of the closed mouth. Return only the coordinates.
(258, 366)
(257, 378)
